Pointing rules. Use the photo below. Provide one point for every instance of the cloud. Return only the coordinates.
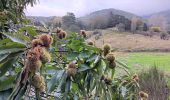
(82, 7)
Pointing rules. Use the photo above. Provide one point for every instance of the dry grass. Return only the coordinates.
(154, 83)
(131, 42)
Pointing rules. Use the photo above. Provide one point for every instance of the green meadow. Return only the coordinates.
(143, 60)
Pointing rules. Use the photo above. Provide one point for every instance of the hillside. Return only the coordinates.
(45, 19)
(165, 14)
(104, 14)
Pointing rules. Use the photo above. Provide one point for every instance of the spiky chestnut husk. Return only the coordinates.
(106, 52)
(60, 35)
(112, 65)
(108, 80)
(37, 80)
(143, 95)
(58, 30)
(72, 65)
(42, 88)
(72, 69)
(33, 66)
(135, 78)
(106, 47)
(83, 33)
(45, 55)
(36, 42)
(46, 39)
(90, 43)
(33, 55)
(33, 62)
(110, 57)
(64, 34)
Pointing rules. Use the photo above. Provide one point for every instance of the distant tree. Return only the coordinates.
(68, 20)
(145, 27)
(117, 19)
(158, 21)
(120, 27)
(81, 24)
(133, 24)
(99, 22)
(74, 28)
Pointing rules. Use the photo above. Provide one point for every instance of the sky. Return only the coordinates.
(83, 7)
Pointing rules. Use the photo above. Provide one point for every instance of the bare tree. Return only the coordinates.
(158, 21)
(133, 24)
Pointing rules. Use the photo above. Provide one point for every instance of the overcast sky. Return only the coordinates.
(83, 7)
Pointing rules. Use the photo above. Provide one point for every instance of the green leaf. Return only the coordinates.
(11, 48)
(5, 41)
(6, 65)
(68, 85)
(75, 97)
(92, 58)
(84, 54)
(83, 67)
(3, 56)
(31, 30)
(76, 45)
(17, 37)
(122, 64)
(7, 83)
(72, 56)
(88, 81)
(5, 94)
(55, 80)
(62, 81)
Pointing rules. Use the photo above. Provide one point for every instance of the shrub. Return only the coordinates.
(70, 67)
(156, 29)
(153, 82)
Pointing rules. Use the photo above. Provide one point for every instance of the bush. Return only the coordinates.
(154, 83)
(156, 29)
(68, 66)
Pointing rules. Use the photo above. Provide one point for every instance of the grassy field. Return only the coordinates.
(136, 61)
(143, 60)
(126, 41)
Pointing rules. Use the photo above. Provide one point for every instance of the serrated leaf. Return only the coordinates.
(7, 83)
(68, 85)
(5, 41)
(6, 65)
(5, 94)
(55, 80)
(3, 56)
(92, 58)
(83, 67)
(30, 29)
(72, 56)
(11, 48)
(16, 37)
(62, 81)
(75, 97)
